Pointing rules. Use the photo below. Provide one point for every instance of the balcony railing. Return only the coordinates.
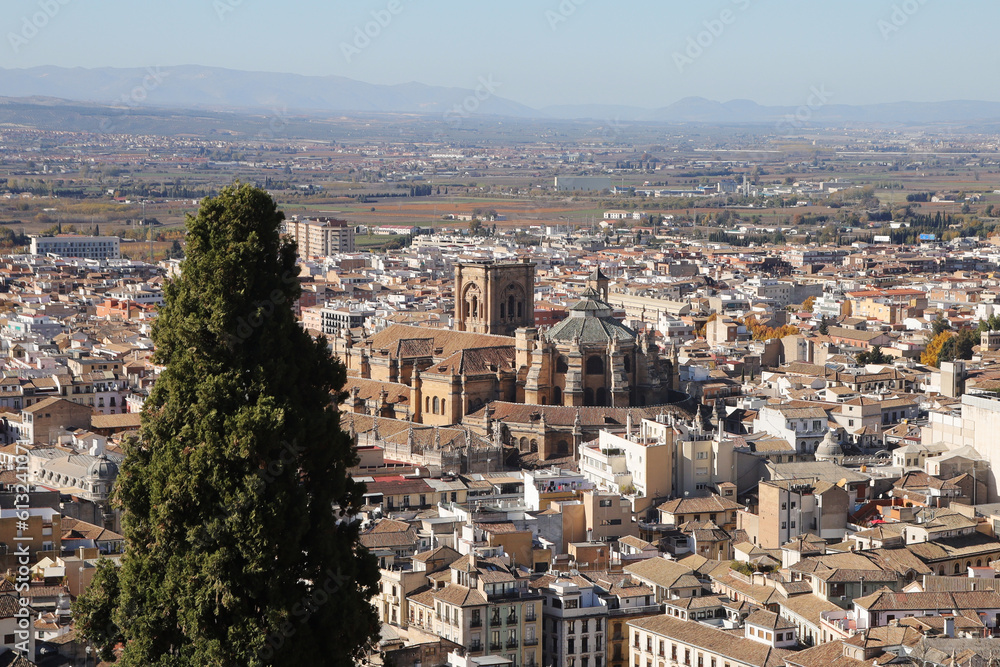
(511, 643)
(476, 623)
(644, 610)
(495, 646)
(531, 641)
(530, 617)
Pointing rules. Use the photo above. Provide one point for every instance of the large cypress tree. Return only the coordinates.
(236, 498)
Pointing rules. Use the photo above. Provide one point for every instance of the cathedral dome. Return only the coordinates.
(591, 322)
(102, 469)
(829, 448)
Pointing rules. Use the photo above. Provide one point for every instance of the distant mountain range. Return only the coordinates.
(219, 90)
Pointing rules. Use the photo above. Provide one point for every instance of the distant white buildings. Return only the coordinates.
(71, 245)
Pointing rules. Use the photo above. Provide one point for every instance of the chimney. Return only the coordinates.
(949, 626)
(97, 447)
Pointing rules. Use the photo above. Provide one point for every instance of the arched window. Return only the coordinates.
(541, 400)
(510, 306)
(523, 444)
(502, 315)
(534, 445)
(588, 396)
(557, 396)
(520, 309)
(601, 398)
(475, 306)
(595, 366)
(443, 409)
(428, 408)
(958, 567)
(436, 405)
(628, 364)
(561, 365)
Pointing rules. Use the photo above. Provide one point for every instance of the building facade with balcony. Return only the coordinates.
(575, 623)
(659, 641)
(484, 605)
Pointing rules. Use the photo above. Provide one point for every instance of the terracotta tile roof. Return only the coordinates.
(768, 620)
(885, 600)
(698, 505)
(477, 361)
(830, 654)
(129, 420)
(448, 341)
(972, 545)
(371, 389)
(744, 651)
(559, 415)
(662, 572)
(460, 596)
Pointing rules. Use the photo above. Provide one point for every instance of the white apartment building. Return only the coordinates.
(769, 290)
(636, 467)
(802, 427)
(71, 245)
(320, 237)
(574, 623)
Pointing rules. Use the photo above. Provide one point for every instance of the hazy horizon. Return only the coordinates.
(540, 54)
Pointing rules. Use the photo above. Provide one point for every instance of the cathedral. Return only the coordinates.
(497, 354)
(592, 359)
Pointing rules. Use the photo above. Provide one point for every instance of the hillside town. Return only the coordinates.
(577, 453)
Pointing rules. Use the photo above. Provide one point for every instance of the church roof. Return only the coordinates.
(565, 415)
(590, 330)
(590, 320)
(446, 340)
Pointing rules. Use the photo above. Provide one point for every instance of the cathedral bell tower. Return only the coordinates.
(494, 298)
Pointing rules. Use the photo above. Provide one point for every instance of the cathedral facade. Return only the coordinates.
(589, 359)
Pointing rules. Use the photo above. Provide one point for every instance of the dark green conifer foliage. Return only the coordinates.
(236, 553)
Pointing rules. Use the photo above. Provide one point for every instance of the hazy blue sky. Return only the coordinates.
(546, 52)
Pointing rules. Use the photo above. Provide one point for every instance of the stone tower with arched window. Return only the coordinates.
(592, 359)
(494, 298)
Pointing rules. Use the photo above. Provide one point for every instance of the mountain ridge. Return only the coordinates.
(220, 89)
